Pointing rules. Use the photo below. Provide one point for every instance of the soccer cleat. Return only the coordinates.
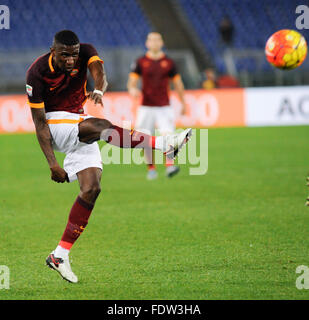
(171, 171)
(62, 266)
(152, 174)
(173, 143)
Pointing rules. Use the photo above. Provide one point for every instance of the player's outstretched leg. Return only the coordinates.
(94, 129)
(174, 143)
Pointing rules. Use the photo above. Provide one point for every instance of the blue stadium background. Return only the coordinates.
(122, 24)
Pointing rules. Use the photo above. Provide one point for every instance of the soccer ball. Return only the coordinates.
(286, 49)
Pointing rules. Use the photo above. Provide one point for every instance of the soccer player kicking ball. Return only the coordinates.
(56, 89)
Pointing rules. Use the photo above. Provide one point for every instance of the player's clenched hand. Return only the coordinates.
(134, 92)
(183, 109)
(58, 174)
(95, 97)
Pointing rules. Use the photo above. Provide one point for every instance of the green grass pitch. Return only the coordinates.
(237, 232)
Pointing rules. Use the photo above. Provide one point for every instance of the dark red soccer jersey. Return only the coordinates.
(58, 91)
(155, 76)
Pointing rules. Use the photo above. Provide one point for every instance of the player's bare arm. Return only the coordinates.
(45, 140)
(132, 85)
(179, 88)
(98, 74)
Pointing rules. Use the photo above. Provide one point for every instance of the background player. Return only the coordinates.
(56, 88)
(155, 69)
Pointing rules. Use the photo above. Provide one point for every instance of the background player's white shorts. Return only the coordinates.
(151, 118)
(79, 156)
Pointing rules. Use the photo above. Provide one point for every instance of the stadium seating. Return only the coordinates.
(254, 22)
(113, 24)
(108, 23)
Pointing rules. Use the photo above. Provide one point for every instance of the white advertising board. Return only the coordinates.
(277, 106)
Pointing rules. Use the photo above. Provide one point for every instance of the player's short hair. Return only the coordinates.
(155, 32)
(66, 37)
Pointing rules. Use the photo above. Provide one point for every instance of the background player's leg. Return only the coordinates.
(145, 122)
(93, 129)
(89, 180)
(165, 119)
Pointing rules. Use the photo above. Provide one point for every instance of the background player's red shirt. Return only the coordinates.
(155, 79)
(58, 91)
